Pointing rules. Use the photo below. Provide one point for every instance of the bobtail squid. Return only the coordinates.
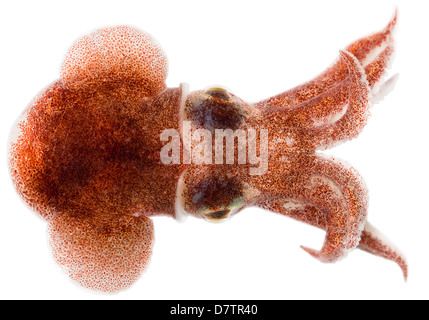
(86, 154)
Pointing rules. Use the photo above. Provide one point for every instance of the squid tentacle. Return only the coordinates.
(343, 227)
(371, 240)
(332, 197)
(361, 234)
(373, 53)
(357, 113)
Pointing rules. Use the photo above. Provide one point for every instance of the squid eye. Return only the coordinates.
(215, 108)
(217, 216)
(214, 197)
(229, 210)
(218, 93)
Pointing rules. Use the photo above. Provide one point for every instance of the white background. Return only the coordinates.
(255, 49)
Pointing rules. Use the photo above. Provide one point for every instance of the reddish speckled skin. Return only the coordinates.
(87, 156)
(87, 143)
